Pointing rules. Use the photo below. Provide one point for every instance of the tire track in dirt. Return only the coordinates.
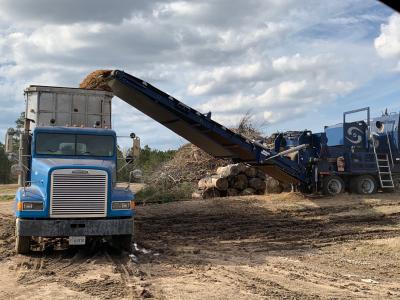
(235, 236)
(125, 275)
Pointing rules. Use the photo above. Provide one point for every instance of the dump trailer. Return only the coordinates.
(67, 170)
(367, 158)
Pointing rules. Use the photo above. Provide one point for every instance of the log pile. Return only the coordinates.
(232, 180)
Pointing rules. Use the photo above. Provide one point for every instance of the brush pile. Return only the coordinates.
(232, 180)
(189, 164)
(96, 80)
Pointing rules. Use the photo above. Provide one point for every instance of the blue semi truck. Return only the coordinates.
(67, 170)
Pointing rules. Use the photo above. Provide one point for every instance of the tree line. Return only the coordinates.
(148, 161)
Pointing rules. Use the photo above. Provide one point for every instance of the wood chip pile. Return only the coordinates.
(96, 80)
(232, 180)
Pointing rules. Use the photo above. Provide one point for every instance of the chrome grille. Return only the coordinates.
(78, 193)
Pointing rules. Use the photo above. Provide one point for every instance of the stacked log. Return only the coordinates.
(214, 181)
(232, 180)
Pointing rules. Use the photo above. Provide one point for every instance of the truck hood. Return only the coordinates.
(71, 162)
(41, 166)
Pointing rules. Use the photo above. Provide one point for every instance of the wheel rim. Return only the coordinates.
(367, 186)
(334, 186)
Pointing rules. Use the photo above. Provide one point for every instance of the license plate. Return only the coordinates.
(77, 240)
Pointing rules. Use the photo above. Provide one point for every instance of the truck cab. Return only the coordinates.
(68, 174)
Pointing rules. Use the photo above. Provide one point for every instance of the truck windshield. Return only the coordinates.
(74, 144)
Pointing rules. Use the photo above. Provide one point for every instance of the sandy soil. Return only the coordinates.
(259, 247)
(8, 189)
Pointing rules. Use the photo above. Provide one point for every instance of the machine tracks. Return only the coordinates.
(125, 273)
(103, 273)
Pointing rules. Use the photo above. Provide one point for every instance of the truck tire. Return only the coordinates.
(332, 185)
(122, 242)
(364, 185)
(396, 183)
(22, 244)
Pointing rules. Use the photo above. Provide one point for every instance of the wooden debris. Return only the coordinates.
(229, 170)
(251, 172)
(233, 180)
(261, 174)
(197, 195)
(273, 186)
(240, 182)
(257, 183)
(210, 193)
(248, 192)
(214, 181)
(189, 164)
(231, 192)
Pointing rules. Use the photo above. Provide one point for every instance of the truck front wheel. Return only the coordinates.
(122, 242)
(22, 244)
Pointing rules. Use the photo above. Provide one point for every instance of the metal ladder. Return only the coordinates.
(384, 169)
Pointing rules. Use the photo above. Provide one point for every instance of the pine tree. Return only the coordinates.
(5, 165)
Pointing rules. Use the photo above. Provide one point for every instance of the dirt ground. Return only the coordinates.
(258, 247)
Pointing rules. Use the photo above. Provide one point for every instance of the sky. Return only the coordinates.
(291, 64)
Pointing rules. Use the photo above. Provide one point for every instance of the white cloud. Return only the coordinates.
(298, 62)
(387, 44)
(287, 86)
(228, 78)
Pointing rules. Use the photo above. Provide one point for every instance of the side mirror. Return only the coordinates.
(13, 157)
(9, 140)
(135, 174)
(129, 159)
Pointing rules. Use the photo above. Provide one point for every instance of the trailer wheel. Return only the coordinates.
(22, 244)
(332, 185)
(364, 185)
(122, 242)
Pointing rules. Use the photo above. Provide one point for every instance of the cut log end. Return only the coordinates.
(211, 193)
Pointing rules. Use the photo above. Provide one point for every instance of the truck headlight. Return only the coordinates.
(32, 205)
(121, 205)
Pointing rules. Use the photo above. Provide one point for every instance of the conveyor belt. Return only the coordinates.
(199, 129)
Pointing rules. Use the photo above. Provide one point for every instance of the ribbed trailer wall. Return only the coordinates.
(62, 106)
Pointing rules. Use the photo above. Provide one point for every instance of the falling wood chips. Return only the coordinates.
(96, 80)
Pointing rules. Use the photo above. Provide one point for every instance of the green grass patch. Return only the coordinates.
(165, 192)
(7, 197)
